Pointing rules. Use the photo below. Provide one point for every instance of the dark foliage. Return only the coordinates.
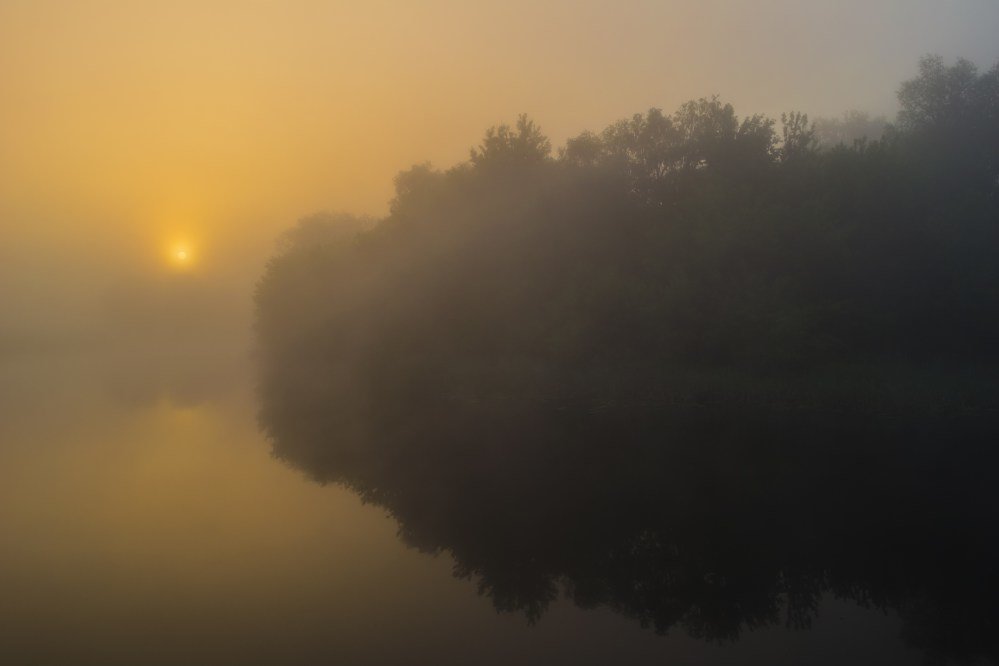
(675, 369)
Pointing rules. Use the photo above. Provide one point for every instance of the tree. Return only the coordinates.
(940, 95)
(952, 114)
(504, 146)
(586, 150)
(798, 136)
(321, 229)
(849, 128)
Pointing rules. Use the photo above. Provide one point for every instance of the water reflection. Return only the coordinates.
(714, 520)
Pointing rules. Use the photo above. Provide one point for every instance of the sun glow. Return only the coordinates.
(180, 255)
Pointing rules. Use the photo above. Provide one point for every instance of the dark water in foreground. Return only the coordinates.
(143, 519)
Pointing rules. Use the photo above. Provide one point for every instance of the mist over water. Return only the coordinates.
(166, 533)
(542, 333)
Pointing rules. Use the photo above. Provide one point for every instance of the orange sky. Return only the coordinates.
(127, 127)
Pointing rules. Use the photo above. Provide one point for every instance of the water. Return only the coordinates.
(143, 522)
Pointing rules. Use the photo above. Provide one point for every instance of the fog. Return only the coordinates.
(124, 127)
(446, 332)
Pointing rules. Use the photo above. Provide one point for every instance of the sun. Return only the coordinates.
(180, 256)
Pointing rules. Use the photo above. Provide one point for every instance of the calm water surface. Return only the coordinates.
(143, 520)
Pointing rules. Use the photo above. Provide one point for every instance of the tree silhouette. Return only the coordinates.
(506, 146)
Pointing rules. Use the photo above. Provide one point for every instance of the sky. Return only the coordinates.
(134, 130)
(130, 130)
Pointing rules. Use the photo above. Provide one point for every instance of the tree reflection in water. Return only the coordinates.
(714, 519)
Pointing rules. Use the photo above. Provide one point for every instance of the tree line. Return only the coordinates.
(666, 251)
